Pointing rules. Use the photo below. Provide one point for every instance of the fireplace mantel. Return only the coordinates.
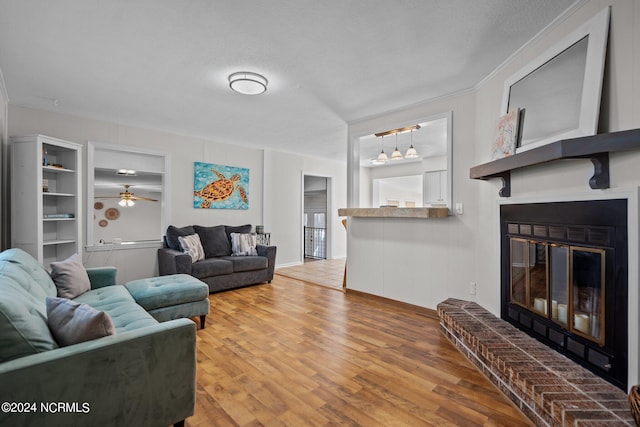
(595, 148)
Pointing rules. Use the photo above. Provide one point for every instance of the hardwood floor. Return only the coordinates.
(325, 272)
(289, 353)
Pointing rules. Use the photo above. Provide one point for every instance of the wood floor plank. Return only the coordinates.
(293, 354)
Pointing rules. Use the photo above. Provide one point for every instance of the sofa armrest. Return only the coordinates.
(102, 276)
(270, 253)
(171, 261)
(140, 377)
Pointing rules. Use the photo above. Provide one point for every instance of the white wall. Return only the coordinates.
(283, 189)
(183, 152)
(419, 261)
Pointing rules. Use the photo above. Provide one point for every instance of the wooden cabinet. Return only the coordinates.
(46, 197)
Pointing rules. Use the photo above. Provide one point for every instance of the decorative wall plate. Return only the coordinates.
(103, 223)
(112, 214)
(98, 205)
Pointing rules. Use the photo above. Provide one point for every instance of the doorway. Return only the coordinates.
(315, 217)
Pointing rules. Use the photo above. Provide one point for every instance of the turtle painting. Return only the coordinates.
(216, 190)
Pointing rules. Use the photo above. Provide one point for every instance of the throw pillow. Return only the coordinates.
(70, 277)
(71, 322)
(192, 246)
(244, 229)
(214, 241)
(174, 232)
(243, 244)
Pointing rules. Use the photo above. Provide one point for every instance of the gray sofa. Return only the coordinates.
(144, 375)
(219, 270)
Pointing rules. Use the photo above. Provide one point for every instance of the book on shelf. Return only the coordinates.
(58, 215)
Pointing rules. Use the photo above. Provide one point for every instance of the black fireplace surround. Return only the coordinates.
(580, 311)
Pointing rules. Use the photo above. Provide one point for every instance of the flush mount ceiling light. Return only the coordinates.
(248, 83)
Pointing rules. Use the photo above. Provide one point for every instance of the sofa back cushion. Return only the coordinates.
(174, 232)
(23, 319)
(214, 240)
(33, 268)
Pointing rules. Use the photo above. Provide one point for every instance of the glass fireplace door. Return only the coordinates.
(587, 271)
(529, 275)
(559, 284)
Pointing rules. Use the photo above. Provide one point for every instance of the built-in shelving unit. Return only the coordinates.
(594, 148)
(46, 197)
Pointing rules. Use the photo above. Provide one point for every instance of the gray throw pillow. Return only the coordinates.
(174, 232)
(71, 322)
(70, 277)
(214, 241)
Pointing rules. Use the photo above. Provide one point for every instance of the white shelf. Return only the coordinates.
(57, 170)
(47, 193)
(46, 239)
(58, 242)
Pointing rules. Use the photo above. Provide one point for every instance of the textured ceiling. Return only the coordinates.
(163, 64)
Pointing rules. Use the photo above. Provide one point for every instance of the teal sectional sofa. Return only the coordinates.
(143, 375)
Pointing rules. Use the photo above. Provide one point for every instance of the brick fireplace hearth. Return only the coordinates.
(548, 387)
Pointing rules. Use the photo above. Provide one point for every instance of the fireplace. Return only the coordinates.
(564, 279)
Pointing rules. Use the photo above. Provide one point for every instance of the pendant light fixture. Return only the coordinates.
(396, 155)
(411, 152)
(382, 157)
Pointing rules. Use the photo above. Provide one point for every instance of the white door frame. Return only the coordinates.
(329, 216)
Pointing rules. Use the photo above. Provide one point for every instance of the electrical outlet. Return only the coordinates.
(459, 209)
(473, 287)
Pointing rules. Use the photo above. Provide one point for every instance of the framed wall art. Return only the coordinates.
(220, 187)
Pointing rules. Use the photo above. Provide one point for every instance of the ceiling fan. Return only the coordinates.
(127, 198)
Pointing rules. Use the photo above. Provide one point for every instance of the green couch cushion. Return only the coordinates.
(14, 271)
(167, 291)
(23, 321)
(32, 267)
(118, 303)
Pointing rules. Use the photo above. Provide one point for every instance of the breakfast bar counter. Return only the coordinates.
(394, 212)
